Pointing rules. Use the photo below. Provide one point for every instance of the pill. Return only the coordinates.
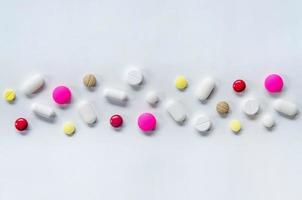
(115, 96)
(116, 121)
(268, 121)
(181, 82)
(69, 128)
(134, 77)
(21, 124)
(202, 123)
(285, 107)
(33, 85)
(176, 111)
(205, 89)
(61, 95)
(273, 83)
(9, 95)
(235, 126)
(87, 112)
(222, 107)
(239, 85)
(152, 98)
(250, 107)
(43, 111)
(146, 122)
(89, 80)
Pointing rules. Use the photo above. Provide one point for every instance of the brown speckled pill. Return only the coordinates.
(89, 80)
(222, 107)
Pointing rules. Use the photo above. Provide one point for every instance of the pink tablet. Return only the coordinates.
(146, 122)
(273, 83)
(61, 95)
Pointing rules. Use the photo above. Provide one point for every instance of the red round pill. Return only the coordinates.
(239, 85)
(116, 121)
(21, 124)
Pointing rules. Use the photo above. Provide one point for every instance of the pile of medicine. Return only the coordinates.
(62, 96)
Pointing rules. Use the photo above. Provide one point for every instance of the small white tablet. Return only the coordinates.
(134, 77)
(250, 107)
(202, 123)
(176, 111)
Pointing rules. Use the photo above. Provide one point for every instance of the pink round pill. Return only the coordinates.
(146, 122)
(273, 83)
(61, 95)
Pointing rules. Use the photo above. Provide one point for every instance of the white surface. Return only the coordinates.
(197, 38)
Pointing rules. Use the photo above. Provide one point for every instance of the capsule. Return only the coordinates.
(33, 85)
(43, 111)
(286, 107)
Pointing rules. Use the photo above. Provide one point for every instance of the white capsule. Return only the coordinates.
(33, 85)
(115, 96)
(250, 107)
(205, 89)
(87, 112)
(202, 123)
(152, 98)
(43, 111)
(134, 77)
(176, 111)
(285, 107)
(268, 121)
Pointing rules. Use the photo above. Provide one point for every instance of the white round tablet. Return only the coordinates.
(202, 123)
(268, 121)
(152, 98)
(134, 77)
(251, 106)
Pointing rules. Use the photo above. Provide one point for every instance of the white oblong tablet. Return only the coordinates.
(87, 112)
(250, 107)
(176, 111)
(33, 84)
(202, 123)
(286, 107)
(268, 121)
(152, 98)
(134, 77)
(205, 89)
(115, 96)
(43, 111)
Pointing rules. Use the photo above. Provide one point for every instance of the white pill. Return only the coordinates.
(152, 98)
(205, 89)
(87, 112)
(176, 111)
(268, 121)
(43, 110)
(134, 77)
(115, 95)
(286, 107)
(33, 84)
(250, 107)
(202, 123)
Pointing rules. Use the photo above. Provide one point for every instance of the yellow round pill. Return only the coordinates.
(9, 95)
(181, 82)
(235, 125)
(69, 128)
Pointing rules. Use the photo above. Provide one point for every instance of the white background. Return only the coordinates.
(197, 38)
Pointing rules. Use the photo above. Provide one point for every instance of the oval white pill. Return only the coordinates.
(285, 107)
(176, 111)
(250, 107)
(202, 123)
(87, 112)
(152, 98)
(268, 121)
(205, 89)
(115, 96)
(43, 110)
(33, 84)
(134, 77)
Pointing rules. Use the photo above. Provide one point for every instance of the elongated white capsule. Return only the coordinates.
(115, 96)
(43, 111)
(33, 84)
(87, 112)
(286, 107)
(205, 89)
(176, 111)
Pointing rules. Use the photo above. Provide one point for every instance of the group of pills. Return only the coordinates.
(62, 96)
